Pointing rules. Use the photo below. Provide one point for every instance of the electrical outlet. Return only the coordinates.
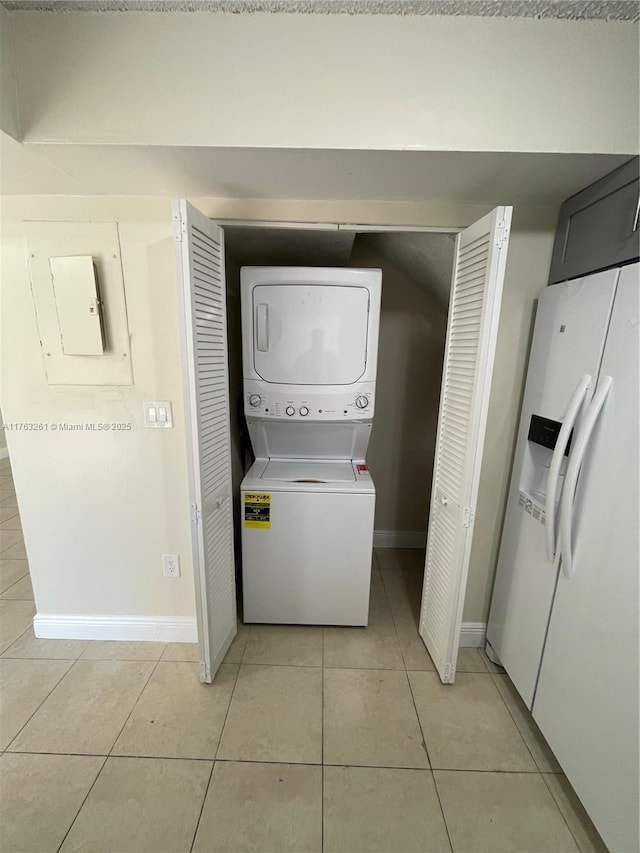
(171, 565)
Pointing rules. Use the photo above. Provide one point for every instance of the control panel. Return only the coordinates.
(303, 403)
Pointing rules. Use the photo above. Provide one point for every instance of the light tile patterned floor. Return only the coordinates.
(310, 739)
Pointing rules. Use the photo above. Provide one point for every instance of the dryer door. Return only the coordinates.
(310, 335)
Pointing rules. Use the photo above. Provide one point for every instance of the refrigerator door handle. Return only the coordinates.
(573, 409)
(573, 471)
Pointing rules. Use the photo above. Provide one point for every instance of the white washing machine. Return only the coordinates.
(310, 342)
(306, 542)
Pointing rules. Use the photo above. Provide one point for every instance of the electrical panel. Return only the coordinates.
(77, 295)
(75, 269)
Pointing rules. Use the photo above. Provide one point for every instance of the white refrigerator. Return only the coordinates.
(564, 612)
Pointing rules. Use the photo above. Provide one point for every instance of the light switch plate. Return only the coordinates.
(158, 414)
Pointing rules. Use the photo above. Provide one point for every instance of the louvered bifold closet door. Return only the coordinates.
(474, 309)
(200, 244)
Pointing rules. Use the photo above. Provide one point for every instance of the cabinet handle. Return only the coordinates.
(637, 216)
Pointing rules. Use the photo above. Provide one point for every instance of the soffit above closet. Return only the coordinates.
(455, 177)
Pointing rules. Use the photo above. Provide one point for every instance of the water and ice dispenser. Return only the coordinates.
(542, 438)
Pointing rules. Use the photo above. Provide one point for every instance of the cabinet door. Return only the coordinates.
(598, 227)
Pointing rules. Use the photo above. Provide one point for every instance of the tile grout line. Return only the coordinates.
(19, 637)
(135, 704)
(393, 618)
(109, 754)
(19, 732)
(433, 775)
(215, 757)
(84, 800)
(415, 708)
(557, 805)
(280, 761)
(533, 758)
(204, 799)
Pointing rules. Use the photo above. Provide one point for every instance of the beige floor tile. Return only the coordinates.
(531, 734)
(584, 832)
(24, 685)
(87, 710)
(9, 500)
(35, 812)
(470, 660)
(14, 552)
(141, 804)
(404, 590)
(288, 645)
(237, 647)
(401, 558)
(15, 618)
(382, 810)
(181, 652)
(370, 719)
(9, 538)
(176, 716)
(271, 808)
(11, 571)
(122, 650)
(21, 590)
(414, 652)
(466, 725)
(6, 513)
(373, 647)
(12, 523)
(275, 715)
(29, 646)
(501, 813)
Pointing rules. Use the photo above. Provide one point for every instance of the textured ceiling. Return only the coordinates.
(607, 10)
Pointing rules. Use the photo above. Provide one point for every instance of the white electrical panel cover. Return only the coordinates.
(77, 297)
(70, 335)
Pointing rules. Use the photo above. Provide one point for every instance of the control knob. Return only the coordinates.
(362, 402)
(290, 410)
(255, 400)
(304, 411)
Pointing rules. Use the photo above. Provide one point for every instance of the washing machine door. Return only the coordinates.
(310, 335)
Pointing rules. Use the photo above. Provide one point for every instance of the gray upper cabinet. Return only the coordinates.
(598, 226)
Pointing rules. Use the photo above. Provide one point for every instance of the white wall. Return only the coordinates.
(99, 510)
(413, 326)
(328, 81)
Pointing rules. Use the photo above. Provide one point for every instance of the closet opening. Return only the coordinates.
(440, 304)
(416, 280)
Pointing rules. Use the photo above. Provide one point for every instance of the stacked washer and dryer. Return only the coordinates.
(309, 348)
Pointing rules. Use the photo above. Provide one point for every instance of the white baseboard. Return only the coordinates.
(399, 538)
(53, 626)
(4, 452)
(472, 635)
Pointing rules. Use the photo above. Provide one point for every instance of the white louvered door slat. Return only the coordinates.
(476, 293)
(200, 256)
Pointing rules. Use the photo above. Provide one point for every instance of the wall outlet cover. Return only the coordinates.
(171, 565)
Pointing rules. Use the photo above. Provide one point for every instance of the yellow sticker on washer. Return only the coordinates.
(257, 510)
